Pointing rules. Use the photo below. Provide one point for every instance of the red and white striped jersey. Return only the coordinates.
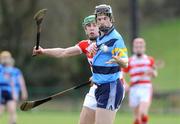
(137, 69)
(83, 45)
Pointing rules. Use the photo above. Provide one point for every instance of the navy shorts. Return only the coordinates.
(5, 96)
(109, 95)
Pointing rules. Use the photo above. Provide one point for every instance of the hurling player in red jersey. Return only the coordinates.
(92, 31)
(141, 69)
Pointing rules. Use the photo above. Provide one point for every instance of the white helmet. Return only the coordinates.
(104, 9)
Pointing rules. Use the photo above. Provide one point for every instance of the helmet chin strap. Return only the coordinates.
(104, 29)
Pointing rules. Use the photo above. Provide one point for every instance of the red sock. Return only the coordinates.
(144, 119)
(137, 121)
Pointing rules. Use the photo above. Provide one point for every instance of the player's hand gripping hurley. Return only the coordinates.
(39, 16)
(28, 105)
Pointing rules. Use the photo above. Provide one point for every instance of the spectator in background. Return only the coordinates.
(11, 84)
(141, 69)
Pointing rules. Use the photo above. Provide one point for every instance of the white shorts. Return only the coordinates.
(140, 93)
(90, 100)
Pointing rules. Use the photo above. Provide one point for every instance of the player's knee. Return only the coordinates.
(11, 107)
(102, 121)
(82, 118)
(1, 108)
(104, 116)
(87, 116)
(99, 121)
(144, 108)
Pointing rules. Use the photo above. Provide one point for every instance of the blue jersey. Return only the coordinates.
(5, 79)
(1, 72)
(10, 75)
(103, 72)
(2, 79)
(15, 76)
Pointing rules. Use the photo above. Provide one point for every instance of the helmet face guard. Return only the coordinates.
(104, 10)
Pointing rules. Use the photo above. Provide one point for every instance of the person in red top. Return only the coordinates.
(141, 69)
(87, 115)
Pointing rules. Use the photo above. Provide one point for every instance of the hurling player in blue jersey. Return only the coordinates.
(11, 83)
(111, 52)
(7, 88)
(19, 82)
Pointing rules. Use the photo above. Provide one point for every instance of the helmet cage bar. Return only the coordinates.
(106, 14)
(104, 10)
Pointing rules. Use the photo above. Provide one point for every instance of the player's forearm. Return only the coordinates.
(23, 88)
(24, 91)
(54, 52)
(62, 52)
(122, 64)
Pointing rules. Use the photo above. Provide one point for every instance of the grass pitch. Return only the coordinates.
(40, 117)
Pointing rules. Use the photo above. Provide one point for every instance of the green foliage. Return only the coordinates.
(163, 42)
